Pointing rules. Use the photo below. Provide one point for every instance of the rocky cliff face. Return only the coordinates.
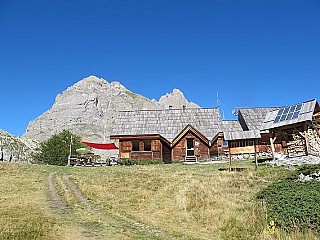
(176, 99)
(88, 108)
(14, 149)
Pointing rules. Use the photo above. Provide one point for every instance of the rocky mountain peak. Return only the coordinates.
(118, 85)
(176, 99)
(88, 109)
(91, 82)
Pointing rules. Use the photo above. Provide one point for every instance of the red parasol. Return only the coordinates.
(105, 146)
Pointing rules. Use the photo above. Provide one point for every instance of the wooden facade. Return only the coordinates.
(249, 146)
(219, 147)
(148, 147)
(190, 144)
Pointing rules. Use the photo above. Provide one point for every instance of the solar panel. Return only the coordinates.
(277, 119)
(289, 116)
(283, 117)
(292, 109)
(295, 115)
(298, 107)
(281, 111)
(286, 110)
(288, 113)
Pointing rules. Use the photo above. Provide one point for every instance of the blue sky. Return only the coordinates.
(254, 53)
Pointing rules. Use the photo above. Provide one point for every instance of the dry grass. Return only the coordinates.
(138, 202)
(24, 212)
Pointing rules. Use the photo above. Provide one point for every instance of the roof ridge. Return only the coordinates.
(174, 109)
(311, 100)
(256, 107)
(294, 104)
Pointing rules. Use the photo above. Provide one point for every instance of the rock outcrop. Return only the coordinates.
(176, 99)
(88, 109)
(14, 149)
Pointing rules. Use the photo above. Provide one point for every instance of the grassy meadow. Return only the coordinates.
(172, 201)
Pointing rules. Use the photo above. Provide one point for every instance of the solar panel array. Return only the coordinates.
(288, 113)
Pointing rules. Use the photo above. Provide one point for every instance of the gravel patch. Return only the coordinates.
(297, 161)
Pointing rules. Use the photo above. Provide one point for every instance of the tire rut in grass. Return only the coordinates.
(126, 223)
(101, 221)
(76, 192)
(53, 194)
(59, 188)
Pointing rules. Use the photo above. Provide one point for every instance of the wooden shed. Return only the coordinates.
(297, 127)
(174, 134)
(242, 142)
(245, 137)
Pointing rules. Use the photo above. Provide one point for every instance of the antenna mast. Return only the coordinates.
(70, 150)
(218, 105)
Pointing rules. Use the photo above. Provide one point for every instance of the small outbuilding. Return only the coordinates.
(246, 138)
(297, 127)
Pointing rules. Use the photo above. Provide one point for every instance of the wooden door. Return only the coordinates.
(190, 147)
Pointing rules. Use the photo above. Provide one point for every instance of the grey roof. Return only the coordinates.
(305, 114)
(167, 123)
(242, 135)
(232, 130)
(253, 117)
(231, 126)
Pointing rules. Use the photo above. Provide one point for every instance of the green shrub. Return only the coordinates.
(305, 170)
(294, 205)
(128, 162)
(56, 149)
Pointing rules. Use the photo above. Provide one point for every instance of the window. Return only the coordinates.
(288, 113)
(189, 143)
(147, 145)
(224, 142)
(242, 143)
(135, 145)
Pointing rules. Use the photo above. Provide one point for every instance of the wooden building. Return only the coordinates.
(242, 142)
(291, 130)
(220, 149)
(297, 127)
(245, 138)
(199, 134)
(167, 135)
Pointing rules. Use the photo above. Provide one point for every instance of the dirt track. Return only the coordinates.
(76, 192)
(69, 186)
(66, 197)
(55, 198)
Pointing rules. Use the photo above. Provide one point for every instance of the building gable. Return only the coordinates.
(195, 132)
